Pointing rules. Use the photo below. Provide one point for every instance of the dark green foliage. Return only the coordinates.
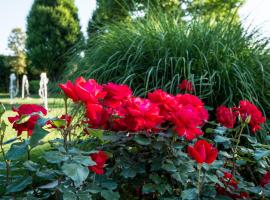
(34, 86)
(52, 29)
(224, 62)
(4, 72)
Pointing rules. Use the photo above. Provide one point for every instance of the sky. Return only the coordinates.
(13, 13)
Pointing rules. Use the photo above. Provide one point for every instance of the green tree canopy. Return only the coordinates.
(52, 30)
(119, 10)
(16, 43)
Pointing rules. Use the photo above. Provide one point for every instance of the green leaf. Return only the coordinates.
(67, 195)
(260, 153)
(23, 119)
(10, 141)
(221, 139)
(109, 184)
(31, 166)
(2, 109)
(76, 172)
(50, 185)
(110, 195)
(96, 133)
(189, 194)
(17, 150)
(142, 140)
(55, 157)
(148, 188)
(84, 160)
(94, 189)
(155, 178)
(128, 173)
(19, 185)
(59, 122)
(169, 167)
(38, 134)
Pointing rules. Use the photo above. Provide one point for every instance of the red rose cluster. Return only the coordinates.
(231, 186)
(227, 116)
(100, 159)
(30, 112)
(112, 106)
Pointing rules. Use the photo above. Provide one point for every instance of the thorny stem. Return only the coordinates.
(199, 166)
(234, 154)
(6, 161)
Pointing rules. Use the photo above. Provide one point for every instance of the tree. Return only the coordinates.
(53, 28)
(16, 43)
(119, 10)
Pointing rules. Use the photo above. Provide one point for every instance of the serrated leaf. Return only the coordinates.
(189, 194)
(19, 185)
(31, 166)
(128, 173)
(67, 195)
(76, 172)
(142, 140)
(110, 195)
(50, 185)
(84, 160)
(169, 167)
(108, 184)
(55, 157)
(59, 123)
(260, 153)
(38, 134)
(17, 150)
(148, 188)
(221, 139)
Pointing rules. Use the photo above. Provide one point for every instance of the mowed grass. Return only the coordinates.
(55, 108)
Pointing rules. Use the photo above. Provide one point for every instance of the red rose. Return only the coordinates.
(116, 94)
(186, 86)
(100, 159)
(166, 102)
(139, 114)
(23, 110)
(247, 109)
(203, 152)
(186, 120)
(69, 89)
(189, 99)
(98, 116)
(88, 91)
(231, 191)
(226, 116)
(265, 179)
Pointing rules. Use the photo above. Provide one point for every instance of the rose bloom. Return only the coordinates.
(88, 91)
(226, 116)
(115, 94)
(203, 152)
(23, 110)
(166, 102)
(186, 122)
(186, 85)
(228, 179)
(69, 90)
(139, 114)
(97, 115)
(247, 109)
(265, 179)
(100, 159)
(189, 99)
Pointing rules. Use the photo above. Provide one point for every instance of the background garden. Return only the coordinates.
(147, 45)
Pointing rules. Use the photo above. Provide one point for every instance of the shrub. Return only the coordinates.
(34, 86)
(126, 147)
(225, 62)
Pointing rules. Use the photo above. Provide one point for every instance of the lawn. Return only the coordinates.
(56, 108)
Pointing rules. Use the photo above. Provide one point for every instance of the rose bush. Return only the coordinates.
(118, 146)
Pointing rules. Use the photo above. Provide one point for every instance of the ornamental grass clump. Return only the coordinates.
(225, 62)
(115, 145)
